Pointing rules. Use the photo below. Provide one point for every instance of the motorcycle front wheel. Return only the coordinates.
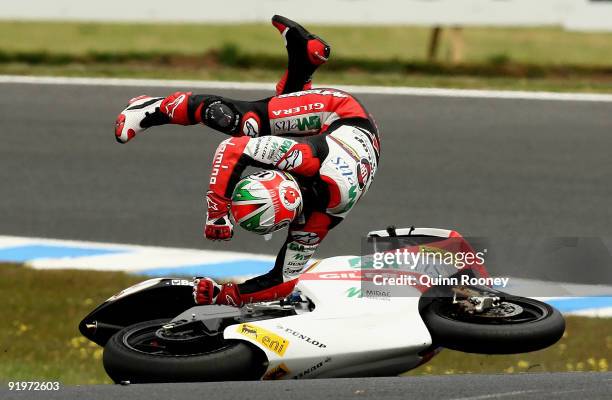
(517, 325)
(136, 354)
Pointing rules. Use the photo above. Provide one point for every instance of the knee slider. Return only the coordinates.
(221, 116)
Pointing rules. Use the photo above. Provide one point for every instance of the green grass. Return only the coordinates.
(523, 59)
(586, 345)
(39, 339)
(577, 84)
(529, 45)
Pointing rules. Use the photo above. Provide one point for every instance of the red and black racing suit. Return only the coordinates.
(324, 137)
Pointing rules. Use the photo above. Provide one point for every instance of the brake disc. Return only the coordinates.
(503, 310)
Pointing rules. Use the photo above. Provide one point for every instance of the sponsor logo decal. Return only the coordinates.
(291, 160)
(291, 271)
(250, 127)
(296, 247)
(289, 196)
(352, 195)
(308, 238)
(341, 276)
(298, 124)
(345, 170)
(373, 139)
(267, 339)
(296, 257)
(310, 370)
(322, 92)
(308, 123)
(356, 292)
(354, 275)
(229, 300)
(367, 276)
(353, 292)
(218, 160)
(172, 106)
(212, 204)
(364, 171)
(303, 337)
(299, 256)
(181, 282)
(277, 372)
(298, 109)
(265, 147)
(279, 149)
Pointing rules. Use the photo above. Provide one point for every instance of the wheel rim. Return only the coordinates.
(145, 340)
(505, 314)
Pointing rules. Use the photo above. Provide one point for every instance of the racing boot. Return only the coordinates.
(306, 52)
(141, 113)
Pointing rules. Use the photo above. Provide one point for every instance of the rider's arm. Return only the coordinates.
(300, 157)
(235, 154)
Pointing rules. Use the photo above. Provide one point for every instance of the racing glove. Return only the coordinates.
(207, 291)
(218, 223)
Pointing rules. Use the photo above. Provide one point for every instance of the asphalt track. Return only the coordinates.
(483, 166)
(560, 386)
(530, 168)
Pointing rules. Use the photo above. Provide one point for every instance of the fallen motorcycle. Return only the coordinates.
(331, 326)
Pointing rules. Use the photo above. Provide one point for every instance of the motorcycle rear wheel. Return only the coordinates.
(528, 325)
(133, 354)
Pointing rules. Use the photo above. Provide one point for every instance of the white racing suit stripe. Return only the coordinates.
(351, 164)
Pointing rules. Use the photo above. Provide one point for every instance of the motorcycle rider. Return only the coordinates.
(323, 139)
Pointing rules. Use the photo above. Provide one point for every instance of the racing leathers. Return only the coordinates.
(323, 137)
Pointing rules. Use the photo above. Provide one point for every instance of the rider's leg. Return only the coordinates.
(302, 241)
(233, 117)
(230, 116)
(305, 52)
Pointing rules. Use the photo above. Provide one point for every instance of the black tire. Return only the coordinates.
(234, 360)
(538, 326)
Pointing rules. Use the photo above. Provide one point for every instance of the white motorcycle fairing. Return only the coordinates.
(151, 332)
(346, 335)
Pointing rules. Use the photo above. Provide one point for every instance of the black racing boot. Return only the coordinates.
(305, 51)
